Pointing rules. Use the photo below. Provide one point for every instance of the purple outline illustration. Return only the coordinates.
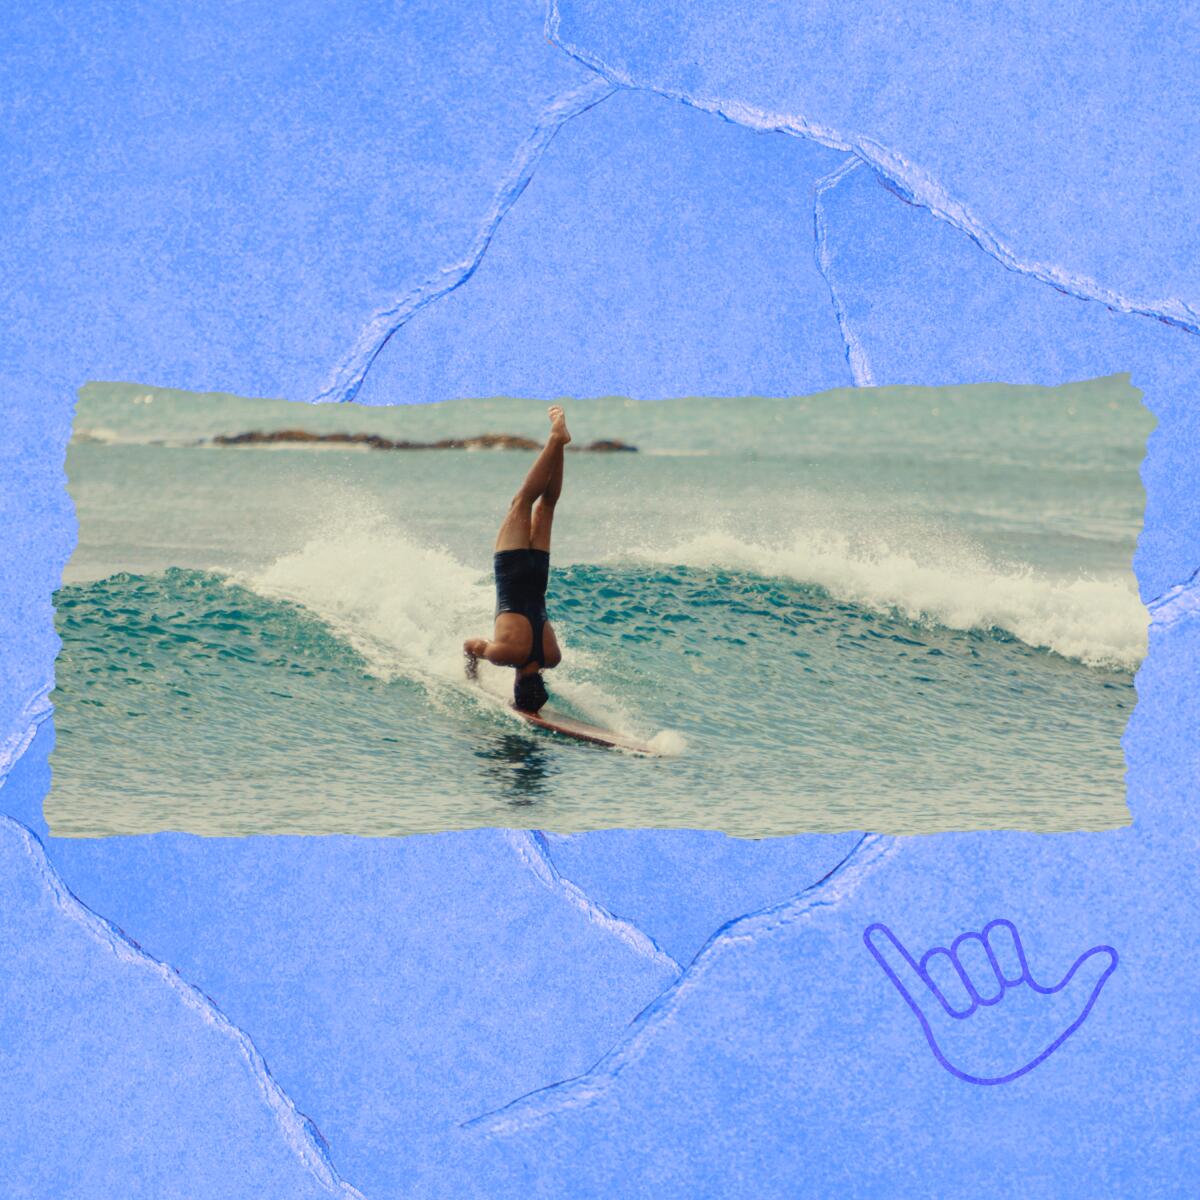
(997, 940)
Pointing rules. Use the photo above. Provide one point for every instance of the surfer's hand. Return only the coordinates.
(475, 647)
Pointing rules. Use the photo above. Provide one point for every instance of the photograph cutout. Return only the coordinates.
(898, 609)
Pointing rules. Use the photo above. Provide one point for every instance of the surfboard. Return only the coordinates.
(581, 731)
(569, 727)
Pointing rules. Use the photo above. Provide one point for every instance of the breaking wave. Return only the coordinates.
(1100, 622)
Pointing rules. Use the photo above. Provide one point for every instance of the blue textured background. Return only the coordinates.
(403, 203)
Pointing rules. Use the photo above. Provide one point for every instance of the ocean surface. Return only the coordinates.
(901, 610)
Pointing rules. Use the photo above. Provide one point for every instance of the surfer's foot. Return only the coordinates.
(558, 424)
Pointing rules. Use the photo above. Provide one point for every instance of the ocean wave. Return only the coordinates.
(1100, 622)
(407, 607)
(404, 606)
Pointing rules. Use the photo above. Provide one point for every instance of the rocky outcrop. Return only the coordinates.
(605, 446)
(375, 441)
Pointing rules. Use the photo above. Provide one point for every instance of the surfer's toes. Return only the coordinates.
(558, 424)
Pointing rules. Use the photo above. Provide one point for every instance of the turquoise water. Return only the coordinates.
(903, 610)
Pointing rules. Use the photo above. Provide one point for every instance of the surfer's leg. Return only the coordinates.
(541, 525)
(543, 511)
(542, 521)
(545, 475)
(514, 529)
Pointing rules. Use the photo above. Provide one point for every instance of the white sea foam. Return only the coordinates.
(1097, 621)
(668, 742)
(100, 435)
(406, 607)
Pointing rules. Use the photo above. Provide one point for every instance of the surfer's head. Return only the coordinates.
(529, 692)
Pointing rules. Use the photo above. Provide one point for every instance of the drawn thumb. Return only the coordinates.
(1088, 975)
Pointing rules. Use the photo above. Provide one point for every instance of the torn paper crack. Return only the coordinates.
(348, 377)
(856, 356)
(36, 710)
(572, 1094)
(1176, 603)
(190, 1092)
(530, 846)
(907, 177)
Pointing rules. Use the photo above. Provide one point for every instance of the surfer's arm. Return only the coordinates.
(494, 652)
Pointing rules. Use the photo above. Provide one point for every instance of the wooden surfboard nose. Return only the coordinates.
(559, 723)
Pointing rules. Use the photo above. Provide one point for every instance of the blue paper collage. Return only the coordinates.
(354, 202)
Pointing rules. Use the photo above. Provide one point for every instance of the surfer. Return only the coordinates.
(522, 637)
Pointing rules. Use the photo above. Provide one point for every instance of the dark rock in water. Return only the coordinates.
(256, 436)
(483, 441)
(607, 445)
